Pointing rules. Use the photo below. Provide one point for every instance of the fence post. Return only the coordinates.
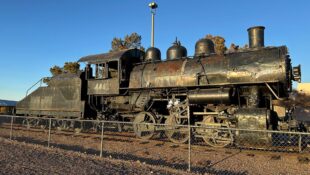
(101, 144)
(299, 143)
(49, 132)
(189, 139)
(11, 131)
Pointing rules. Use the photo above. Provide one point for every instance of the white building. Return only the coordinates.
(303, 88)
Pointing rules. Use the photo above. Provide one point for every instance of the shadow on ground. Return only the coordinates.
(131, 157)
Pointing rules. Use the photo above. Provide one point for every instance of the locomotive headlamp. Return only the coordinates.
(153, 5)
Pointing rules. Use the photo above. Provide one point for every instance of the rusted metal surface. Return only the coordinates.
(253, 118)
(176, 51)
(256, 36)
(99, 58)
(210, 96)
(152, 54)
(108, 86)
(268, 64)
(203, 47)
(62, 97)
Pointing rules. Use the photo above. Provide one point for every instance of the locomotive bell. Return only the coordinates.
(152, 54)
(204, 47)
(256, 36)
(176, 51)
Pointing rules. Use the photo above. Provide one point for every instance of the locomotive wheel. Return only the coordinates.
(63, 125)
(143, 126)
(43, 124)
(30, 122)
(78, 126)
(176, 134)
(216, 136)
(96, 126)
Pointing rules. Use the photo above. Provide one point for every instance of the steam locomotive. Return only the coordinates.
(246, 89)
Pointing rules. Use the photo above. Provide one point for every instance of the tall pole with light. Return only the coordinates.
(152, 53)
(153, 7)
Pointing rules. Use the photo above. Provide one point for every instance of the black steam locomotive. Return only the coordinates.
(245, 88)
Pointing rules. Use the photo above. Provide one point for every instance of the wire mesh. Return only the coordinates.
(144, 143)
(200, 149)
(5, 123)
(75, 135)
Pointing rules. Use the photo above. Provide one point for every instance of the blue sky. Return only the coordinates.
(37, 34)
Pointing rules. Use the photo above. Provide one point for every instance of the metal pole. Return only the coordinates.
(101, 146)
(11, 131)
(189, 139)
(299, 143)
(152, 33)
(49, 132)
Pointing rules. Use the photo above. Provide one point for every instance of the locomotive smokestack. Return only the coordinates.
(256, 36)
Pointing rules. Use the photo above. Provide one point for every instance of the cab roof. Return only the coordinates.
(113, 56)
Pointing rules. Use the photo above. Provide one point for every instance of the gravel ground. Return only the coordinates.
(21, 158)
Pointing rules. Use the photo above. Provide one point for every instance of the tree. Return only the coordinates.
(72, 67)
(69, 67)
(130, 41)
(219, 44)
(56, 70)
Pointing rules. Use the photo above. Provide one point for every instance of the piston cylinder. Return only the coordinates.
(210, 96)
(253, 119)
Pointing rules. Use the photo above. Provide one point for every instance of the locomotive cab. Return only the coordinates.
(108, 73)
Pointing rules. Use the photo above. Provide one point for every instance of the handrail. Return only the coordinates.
(40, 81)
(272, 91)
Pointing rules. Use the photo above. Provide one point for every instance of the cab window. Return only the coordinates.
(100, 72)
(106, 70)
(113, 69)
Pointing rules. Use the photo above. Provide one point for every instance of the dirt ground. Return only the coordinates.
(20, 158)
(142, 157)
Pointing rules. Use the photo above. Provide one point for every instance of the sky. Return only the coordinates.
(38, 34)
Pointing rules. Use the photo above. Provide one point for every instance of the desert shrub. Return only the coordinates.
(130, 41)
(71, 67)
(219, 44)
(56, 70)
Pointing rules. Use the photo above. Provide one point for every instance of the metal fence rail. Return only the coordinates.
(118, 139)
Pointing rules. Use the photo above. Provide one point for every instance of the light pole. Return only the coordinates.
(153, 7)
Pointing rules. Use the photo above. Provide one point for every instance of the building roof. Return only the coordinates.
(7, 103)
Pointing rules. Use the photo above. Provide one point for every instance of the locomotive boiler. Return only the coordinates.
(245, 88)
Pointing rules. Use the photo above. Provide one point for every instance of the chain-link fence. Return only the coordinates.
(181, 147)
(249, 139)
